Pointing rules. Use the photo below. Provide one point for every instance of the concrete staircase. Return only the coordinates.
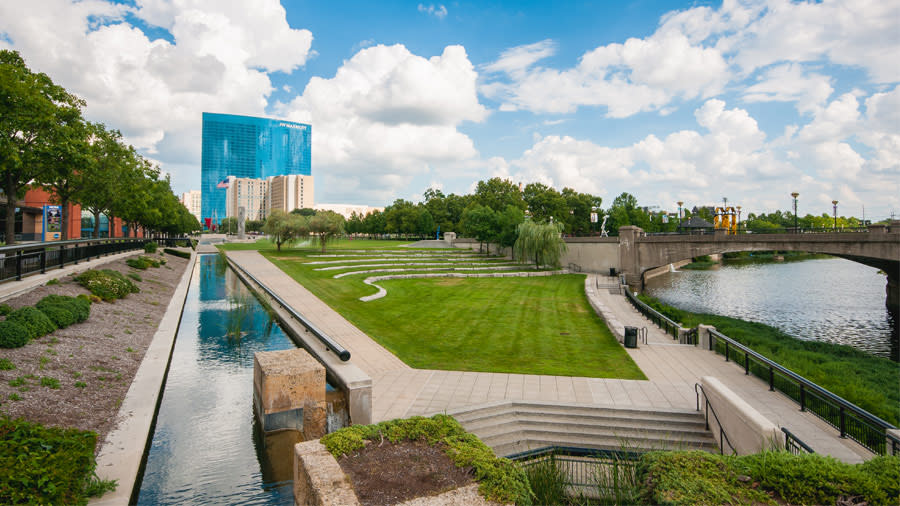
(510, 427)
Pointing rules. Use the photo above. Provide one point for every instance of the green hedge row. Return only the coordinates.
(150, 247)
(50, 313)
(178, 253)
(47, 465)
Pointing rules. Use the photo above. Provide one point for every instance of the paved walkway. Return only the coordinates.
(672, 370)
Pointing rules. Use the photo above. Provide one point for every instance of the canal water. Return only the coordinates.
(207, 447)
(832, 300)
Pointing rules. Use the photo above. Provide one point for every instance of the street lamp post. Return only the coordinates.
(738, 226)
(835, 203)
(679, 214)
(795, 195)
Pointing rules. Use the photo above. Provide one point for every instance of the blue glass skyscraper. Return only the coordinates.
(246, 146)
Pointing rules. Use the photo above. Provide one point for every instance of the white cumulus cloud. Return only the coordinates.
(388, 116)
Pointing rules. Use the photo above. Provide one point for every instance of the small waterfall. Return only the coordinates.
(672, 268)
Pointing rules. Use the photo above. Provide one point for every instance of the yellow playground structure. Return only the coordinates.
(726, 218)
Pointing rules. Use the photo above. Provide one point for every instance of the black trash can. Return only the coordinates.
(631, 337)
(612, 271)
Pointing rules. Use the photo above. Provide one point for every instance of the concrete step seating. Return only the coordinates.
(511, 427)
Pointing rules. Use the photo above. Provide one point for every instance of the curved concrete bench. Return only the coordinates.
(426, 263)
(454, 268)
(382, 292)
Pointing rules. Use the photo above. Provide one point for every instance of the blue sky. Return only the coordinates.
(691, 101)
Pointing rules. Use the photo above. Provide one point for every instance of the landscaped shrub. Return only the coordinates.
(13, 335)
(59, 315)
(178, 253)
(703, 478)
(499, 479)
(34, 320)
(47, 465)
(79, 307)
(6, 364)
(135, 276)
(142, 262)
(5, 309)
(150, 247)
(107, 284)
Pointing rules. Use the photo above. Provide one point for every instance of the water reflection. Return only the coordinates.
(205, 448)
(832, 300)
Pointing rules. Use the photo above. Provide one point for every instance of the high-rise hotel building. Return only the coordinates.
(247, 147)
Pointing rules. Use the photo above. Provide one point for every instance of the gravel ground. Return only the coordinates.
(94, 361)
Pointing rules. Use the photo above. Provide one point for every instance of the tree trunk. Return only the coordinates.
(11, 188)
(64, 218)
(96, 224)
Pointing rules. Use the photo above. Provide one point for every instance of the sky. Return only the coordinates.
(669, 101)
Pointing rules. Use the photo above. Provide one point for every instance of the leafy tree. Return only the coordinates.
(498, 193)
(374, 223)
(508, 226)
(580, 206)
(284, 228)
(33, 113)
(480, 222)
(625, 211)
(326, 226)
(541, 242)
(229, 225)
(456, 205)
(306, 211)
(254, 225)
(106, 174)
(544, 202)
(63, 180)
(401, 217)
(424, 222)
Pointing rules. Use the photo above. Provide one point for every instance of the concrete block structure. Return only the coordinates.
(289, 391)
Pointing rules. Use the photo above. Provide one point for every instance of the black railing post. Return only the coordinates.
(771, 379)
(62, 256)
(44, 261)
(843, 423)
(802, 397)
(726, 351)
(19, 265)
(746, 364)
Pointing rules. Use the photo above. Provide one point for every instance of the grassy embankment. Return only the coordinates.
(865, 380)
(507, 325)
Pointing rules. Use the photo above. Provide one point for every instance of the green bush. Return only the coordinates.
(150, 247)
(135, 276)
(49, 382)
(79, 307)
(59, 315)
(142, 262)
(178, 253)
(13, 335)
(5, 309)
(34, 320)
(703, 478)
(107, 284)
(6, 364)
(47, 465)
(669, 312)
(499, 479)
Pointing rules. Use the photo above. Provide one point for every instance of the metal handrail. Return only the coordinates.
(671, 327)
(843, 406)
(336, 348)
(723, 437)
(794, 444)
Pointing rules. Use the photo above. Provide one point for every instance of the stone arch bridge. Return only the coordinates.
(879, 248)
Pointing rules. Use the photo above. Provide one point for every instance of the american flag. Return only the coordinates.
(223, 184)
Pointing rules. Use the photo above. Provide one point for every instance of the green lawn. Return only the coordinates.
(512, 325)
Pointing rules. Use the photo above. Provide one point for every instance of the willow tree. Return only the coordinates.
(284, 228)
(327, 226)
(541, 242)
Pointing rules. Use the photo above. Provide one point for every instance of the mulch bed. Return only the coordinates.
(388, 473)
(94, 361)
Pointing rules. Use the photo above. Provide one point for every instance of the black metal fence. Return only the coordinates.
(581, 467)
(850, 420)
(23, 260)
